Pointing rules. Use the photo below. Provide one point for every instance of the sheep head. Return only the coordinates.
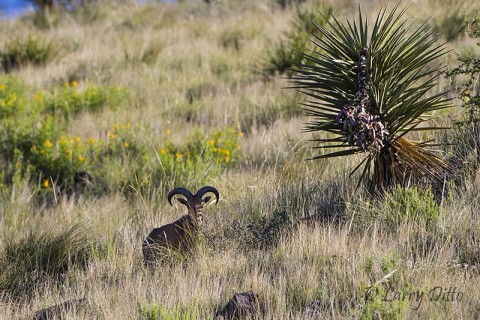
(194, 202)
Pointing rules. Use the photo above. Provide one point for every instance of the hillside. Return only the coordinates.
(149, 97)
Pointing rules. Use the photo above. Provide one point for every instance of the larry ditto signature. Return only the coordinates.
(415, 297)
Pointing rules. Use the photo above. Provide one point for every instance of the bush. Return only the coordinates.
(32, 131)
(41, 255)
(464, 140)
(406, 204)
(68, 100)
(196, 161)
(291, 52)
(20, 52)
(469, 69)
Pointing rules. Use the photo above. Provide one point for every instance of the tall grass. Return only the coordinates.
(293, 231)
(31, 259)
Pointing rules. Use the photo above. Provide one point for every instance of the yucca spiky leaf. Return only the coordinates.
(368, 86)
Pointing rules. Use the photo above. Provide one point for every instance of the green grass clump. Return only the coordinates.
(68, 100)
(156, 312)
(20, 52)
(41, 255)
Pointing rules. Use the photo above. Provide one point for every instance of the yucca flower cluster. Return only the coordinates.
(361, 128)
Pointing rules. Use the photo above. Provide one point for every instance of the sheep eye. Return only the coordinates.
(206, 199)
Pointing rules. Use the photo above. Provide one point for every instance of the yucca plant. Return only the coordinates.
(369, 87)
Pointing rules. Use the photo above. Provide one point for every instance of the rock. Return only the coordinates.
(241, 306)
(57, 310)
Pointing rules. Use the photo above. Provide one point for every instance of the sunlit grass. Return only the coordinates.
(198, 111)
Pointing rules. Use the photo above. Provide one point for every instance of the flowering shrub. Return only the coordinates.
(59, 159)
(212, 153)
(32, 130)
(36, 147)
(200, 158)
(122, 142)
(224, 147)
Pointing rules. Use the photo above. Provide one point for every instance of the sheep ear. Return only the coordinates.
(183, 201)
(206, 199)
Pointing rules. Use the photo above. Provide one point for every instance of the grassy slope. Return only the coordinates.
(333, 262)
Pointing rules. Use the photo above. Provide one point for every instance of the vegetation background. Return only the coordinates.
(147, 97)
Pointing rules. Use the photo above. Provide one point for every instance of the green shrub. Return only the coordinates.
(469, 69)
(406, 204)
(68, 100)
(33, 126)
(464, 140)
(40, 255)
(193, 163)
(20, 52)
(386, 273)
(291, 52)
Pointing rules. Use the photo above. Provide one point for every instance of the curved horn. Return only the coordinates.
(206, 189)
(181, 191)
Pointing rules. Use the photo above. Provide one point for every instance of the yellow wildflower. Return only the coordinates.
(12, 100)
(47, 144)
(227, 159)
(39, 96)
(178, 155)
(81, 159)
(77, 139)
(128, 126)
(163, 151)
(74, 83)
(115, 126)
(2, 87)
(125, 144)
(112, 136)
(33, 148)
(92, 141)
(66, 85)
(211, 142)
(45, 183)
(227, 152)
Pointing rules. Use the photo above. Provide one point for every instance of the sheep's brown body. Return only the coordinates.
(180, 236)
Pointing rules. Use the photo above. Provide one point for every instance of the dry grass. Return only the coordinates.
(189, 66)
